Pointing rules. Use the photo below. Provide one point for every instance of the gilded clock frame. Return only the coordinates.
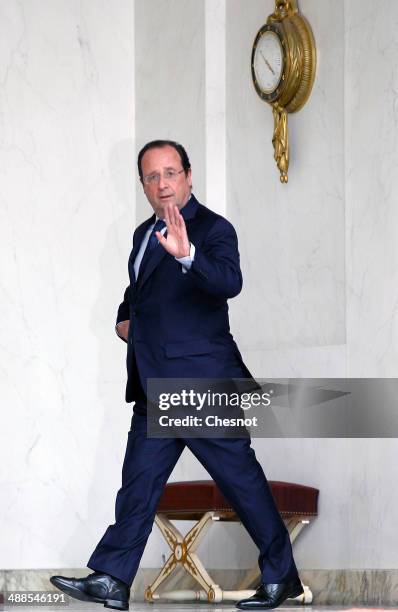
(298, 73)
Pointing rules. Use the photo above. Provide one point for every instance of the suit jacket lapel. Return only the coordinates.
(155, 258)
(138, 238)
(188, 212)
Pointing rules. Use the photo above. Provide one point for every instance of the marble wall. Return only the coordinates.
(84, 85)
(67, 209)
(170, 82)
(371, 153)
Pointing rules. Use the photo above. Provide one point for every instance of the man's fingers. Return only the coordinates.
(170, 211)
(179, 219)
(161, 238)
(172, 217)
(181, 222)
(122, 329)
(176, 216)
(175, 227)
(171, 214)
(167, 216)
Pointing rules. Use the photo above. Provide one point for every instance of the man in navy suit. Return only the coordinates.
(183, 268)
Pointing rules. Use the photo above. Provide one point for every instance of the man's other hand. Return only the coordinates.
(122, 329)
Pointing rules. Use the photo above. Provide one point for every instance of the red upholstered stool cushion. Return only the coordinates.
(191, 499)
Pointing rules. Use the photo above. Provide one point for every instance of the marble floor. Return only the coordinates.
(181, 607)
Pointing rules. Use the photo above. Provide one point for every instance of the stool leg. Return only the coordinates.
(164, 573)
(194, 537)
(183, 553)
(193, 565)
(174, 539)
(169, 531)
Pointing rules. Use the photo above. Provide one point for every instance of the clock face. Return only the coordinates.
(268, 61)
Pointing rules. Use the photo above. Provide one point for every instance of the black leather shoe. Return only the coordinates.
(97, 587)
(271, 595)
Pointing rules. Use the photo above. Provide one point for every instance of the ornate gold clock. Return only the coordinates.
(283, 67)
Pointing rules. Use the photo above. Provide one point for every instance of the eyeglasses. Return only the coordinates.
(168, 175)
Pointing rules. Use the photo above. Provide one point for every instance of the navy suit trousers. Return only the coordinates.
(231, 463)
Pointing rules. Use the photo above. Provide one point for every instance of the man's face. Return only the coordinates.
(165, 191)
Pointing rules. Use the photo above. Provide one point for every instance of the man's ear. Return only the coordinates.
(189, 175)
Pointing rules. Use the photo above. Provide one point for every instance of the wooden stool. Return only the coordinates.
(203, 502)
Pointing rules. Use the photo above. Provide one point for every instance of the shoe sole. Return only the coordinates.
(81, 596)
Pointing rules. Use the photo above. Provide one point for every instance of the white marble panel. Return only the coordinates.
(311, 362)
(215, 105)
(170, 76)
(371, 110)
(373, 506)
(66, 206)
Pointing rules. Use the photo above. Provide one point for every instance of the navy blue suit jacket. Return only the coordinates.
(179, 325)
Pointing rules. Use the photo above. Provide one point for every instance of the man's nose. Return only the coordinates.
(162, 183)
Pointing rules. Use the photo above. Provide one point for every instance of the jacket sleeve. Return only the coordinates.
(123, 312)
(215, 267)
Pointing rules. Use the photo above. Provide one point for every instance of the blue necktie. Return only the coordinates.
(151, 245)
